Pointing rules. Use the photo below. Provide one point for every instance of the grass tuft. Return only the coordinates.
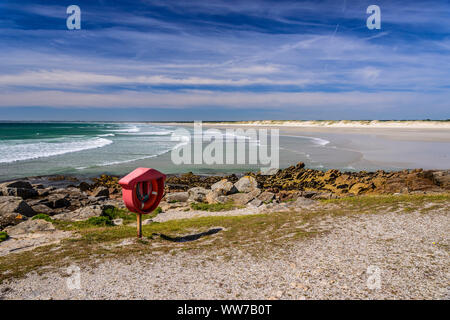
(42, 216)
(3, 236)
(213, 207)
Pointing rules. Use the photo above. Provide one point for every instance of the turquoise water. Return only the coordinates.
(90, 149)
(77, 148)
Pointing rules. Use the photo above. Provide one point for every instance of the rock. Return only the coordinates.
(147, 221)
(359, 188)
(17, 184)
(197, 194)
(255, 203)
(246, 184)
(81, 214)
(177, 205)
(96, 200)
(308, 194)
(42, 208)
(303, 202)
(43, 192)
(30, 226)
(224, 186)
(244, 198)
(84, 186)
(118, 222)
(57, 200)
(269, 171)
(20, 192)
(442, 179)
(288, 195)
(324, 196)
(10, 219)
(100, 192)
(9, 204)
(177, 197)
(22, 189)
(266, 196)
(216, 196)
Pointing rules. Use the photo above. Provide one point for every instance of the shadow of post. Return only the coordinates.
(190, 237)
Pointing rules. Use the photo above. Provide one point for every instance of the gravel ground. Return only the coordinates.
(407, 253)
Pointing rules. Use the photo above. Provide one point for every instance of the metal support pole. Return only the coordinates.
(139, 225)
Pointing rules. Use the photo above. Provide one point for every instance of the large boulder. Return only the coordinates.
(30, 226)
(81, 214)
(58, 200)
(13, 210)
(224, 186)
(244, 198)
(177, 197)
(22, 189)
(9, 219)
(165, 206)
(216, 196)
(246, 184)
(100, 192)
(42, 208)
(10, 204)
(17, 184)
(255, 203)
(442, 179)
(266, 197)
(197, 194)
(302, 202)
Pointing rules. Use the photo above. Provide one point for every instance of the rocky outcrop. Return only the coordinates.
(177, 197)
(30, 226)
(197, 194)
(13, 210)
(100, 192)
(244, 198)
(83, 213)
(22, 189)
(216, 196)
(246, 184)
(266, 196)
(224, 187)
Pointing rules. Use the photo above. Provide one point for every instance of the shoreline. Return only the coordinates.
(372, 124)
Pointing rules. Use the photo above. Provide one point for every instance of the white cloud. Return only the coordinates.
(64, 79)
(235, 100)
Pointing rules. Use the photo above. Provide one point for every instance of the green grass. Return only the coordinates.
(157, 210)
(42, 216)
(116, 213)
(3, 236)
(99, 221)
(370, 200)
(214, 207)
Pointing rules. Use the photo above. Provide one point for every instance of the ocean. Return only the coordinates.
(90, 149)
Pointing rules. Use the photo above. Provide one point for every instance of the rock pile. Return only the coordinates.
(21, 200)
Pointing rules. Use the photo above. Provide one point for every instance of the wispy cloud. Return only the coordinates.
(235, 54)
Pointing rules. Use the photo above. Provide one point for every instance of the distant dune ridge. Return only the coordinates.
(423, 124)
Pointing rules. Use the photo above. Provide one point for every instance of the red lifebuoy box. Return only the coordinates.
(142, 189)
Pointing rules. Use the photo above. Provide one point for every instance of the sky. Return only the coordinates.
(224, 60)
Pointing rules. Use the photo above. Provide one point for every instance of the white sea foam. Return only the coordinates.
(27, 151)
(150, 133)
(132, 129)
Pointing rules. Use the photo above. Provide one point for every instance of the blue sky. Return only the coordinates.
(224, 60)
